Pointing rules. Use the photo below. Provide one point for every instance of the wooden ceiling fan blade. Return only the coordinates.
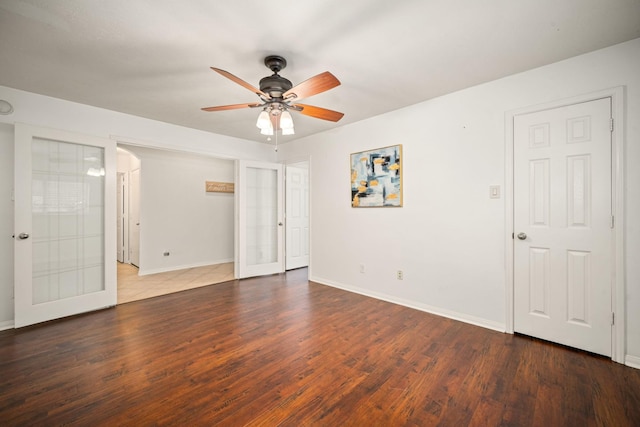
(241, 82)
(316, 84)
(318, 112)
(231, 107)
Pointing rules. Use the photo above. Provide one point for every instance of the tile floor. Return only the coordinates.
(132, 287)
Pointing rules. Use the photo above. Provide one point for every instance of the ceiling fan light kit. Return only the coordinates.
(263, 120)
(278, 95)
(286, 121)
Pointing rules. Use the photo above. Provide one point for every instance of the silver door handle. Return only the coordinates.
(280, 224)
(23, 236)
(522, 236)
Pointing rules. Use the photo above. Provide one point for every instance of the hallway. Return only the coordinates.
(132, 287)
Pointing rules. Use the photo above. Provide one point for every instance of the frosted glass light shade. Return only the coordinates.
(263, 120)
(286, 121)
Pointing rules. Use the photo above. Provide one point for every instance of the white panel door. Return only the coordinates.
(120, 217)
(297, 217)
(134, 217)
(65, 224)
(562, 223)
(259, 219)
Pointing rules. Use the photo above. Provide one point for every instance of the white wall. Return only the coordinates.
(449, 238)
(6, 226)
(178, 216)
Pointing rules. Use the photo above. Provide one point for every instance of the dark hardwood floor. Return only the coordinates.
(282, 351)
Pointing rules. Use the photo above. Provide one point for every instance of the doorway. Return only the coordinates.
(183, 231)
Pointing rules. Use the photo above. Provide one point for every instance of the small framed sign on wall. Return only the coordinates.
(376, 178)
(219, 187)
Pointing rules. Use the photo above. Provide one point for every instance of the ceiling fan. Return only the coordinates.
(278, 96)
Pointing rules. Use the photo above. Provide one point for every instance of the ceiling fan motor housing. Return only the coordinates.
(275, 85)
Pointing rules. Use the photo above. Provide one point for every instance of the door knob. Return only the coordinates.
(23, 236)
(522, 236)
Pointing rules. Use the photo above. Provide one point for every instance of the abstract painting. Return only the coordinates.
(376, 177)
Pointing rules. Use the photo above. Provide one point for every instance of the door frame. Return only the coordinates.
(617, 95)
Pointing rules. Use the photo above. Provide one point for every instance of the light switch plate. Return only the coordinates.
(494, 192)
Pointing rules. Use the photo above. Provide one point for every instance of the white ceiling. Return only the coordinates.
(151, 58)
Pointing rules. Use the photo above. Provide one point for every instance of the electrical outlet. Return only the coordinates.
(399, 275)
(166, 253)
(361, 268)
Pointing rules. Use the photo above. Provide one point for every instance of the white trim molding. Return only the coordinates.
(632, 361)
(7, 324)
(617, 95)
(461, 317)
(146, 272)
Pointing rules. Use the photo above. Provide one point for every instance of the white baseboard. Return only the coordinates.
(144, 272)
(462, 317)
(7, 324)
(632, 361)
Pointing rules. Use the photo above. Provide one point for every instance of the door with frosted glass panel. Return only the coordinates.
(65, 224)
(260, 231)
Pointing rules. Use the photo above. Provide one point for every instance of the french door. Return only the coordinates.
(259, 228)
(65, 224)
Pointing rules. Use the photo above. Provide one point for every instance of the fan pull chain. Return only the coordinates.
(276, 132)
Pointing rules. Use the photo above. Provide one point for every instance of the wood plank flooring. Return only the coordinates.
(280, 351)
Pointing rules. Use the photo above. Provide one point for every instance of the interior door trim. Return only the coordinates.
(617, 95)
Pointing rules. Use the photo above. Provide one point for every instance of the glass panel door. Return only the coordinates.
(67, 211)
(260, 219)
(65, 201)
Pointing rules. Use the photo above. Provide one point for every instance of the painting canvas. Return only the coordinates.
(376, 177)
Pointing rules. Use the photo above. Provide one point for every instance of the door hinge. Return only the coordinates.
(611, 124)
(613, 319)
(613, 221)
(513, 236)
